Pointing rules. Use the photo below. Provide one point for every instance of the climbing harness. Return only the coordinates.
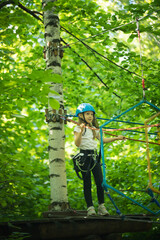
(85, 161)
(76, 159)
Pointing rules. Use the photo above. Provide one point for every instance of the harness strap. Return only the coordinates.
(91, 154)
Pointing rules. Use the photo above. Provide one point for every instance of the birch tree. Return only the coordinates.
(53, 51)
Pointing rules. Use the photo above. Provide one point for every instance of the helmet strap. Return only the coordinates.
(83, 119)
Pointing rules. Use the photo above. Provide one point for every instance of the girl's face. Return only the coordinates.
(89, 116)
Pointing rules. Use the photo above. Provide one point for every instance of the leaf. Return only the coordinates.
(18, 116)
(46, 76)
(46, 89)
(131, 37)
(54, 103)
(50, 77)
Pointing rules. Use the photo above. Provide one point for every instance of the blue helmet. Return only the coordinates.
(84, 107)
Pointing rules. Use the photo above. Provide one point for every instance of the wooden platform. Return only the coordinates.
(60, 225)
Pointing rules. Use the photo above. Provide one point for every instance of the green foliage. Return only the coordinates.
(24, 87)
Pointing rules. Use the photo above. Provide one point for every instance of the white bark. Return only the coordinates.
(58, 182)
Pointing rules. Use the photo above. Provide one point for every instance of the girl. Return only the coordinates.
(85, 140)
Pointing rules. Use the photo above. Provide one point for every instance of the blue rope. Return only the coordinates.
(120, 121)
(70, 115)
(151, 194)
(135, 202)
(111, 199)
(111, 120)
(132, 131)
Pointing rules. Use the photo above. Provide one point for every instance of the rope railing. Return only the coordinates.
(121, 129)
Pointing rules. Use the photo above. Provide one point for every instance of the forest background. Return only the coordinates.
(102, 66)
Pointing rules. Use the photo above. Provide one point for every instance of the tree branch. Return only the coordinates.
(29, 11)
(3, 4)
(33, 13)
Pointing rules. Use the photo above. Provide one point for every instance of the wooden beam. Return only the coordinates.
(74, 227)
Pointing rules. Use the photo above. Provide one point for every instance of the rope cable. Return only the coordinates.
(115, 28)
(100, 79)
(141, 63)
(71, 115)
(93, 50)
(133, 131)
(106, 131)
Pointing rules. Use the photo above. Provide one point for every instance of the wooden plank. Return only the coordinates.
(70, 227)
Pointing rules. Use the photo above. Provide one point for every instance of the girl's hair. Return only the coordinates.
(94, 124)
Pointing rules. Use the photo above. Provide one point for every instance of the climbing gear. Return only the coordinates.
(102, 210)
(91, 211)
(104, 183)
(84, 107)
(82, 161)
(77, 158)
(122, 129)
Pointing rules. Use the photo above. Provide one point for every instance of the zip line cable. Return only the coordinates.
(91, 69)
(88, 47)
(93, 50)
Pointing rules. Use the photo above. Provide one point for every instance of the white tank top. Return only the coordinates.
(87, 142)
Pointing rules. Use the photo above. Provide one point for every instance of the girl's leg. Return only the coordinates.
(87, 188)
(97, 173)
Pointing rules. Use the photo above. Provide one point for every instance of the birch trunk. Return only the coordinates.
(57, 171)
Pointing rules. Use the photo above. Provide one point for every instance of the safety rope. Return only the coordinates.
(112, 201)
(100, 118)
(65, 118)
(114, 129)
(111, 130)
(132, 139)
(150, 192)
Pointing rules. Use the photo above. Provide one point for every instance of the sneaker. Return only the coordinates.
(91, 211)
(102, 210)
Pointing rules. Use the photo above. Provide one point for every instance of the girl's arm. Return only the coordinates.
(107, 140)
(78, 136)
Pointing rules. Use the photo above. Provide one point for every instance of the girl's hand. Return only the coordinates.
(82, 127)
(121, 137)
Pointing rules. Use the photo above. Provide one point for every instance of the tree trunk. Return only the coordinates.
(59, 198)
